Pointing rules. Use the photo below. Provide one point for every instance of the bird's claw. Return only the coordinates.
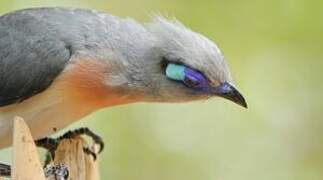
(51, 143)
(60, 171)
(90, 152)
(85, 131)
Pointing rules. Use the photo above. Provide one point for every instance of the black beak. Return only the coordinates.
(229, 92)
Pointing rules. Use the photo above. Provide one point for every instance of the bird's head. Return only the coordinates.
(180, 65)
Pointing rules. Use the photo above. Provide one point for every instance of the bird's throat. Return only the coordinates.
(85, 85)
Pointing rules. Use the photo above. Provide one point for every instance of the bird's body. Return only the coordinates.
(78, 91)
(57, 65)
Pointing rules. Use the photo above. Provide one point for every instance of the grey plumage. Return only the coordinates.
(39, 45)
(41, 41)
(31, 56)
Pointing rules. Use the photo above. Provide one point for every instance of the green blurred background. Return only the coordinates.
(275, 53)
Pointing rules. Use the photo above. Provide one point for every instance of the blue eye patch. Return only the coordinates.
(190, 77)
(175, 72)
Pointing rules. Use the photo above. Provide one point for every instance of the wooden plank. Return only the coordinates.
(81, 165)
(26, 164)
(92, 168)
(25, 160)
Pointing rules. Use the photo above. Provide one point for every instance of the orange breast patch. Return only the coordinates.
(84, 84)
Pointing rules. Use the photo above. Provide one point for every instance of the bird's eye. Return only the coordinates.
(190, 77)
(191, 82)
(195, 79)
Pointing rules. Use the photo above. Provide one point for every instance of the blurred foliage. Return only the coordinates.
(274, 49)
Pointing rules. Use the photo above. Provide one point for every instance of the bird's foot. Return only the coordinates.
(60, 171)
(51, 143)
(97, 140)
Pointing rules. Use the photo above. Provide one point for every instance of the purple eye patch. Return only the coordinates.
(190, 77)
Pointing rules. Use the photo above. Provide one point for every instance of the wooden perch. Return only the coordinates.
(26, 164)
(25, 161)
(81, 166)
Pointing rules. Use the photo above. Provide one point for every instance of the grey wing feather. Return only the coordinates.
(31, 57)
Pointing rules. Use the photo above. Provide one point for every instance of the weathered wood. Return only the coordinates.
(81, 165)
(70, 152)
(92, 168)
(25, 160)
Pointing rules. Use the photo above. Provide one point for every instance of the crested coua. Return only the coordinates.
(58, 65)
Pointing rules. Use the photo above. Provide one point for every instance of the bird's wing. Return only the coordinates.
(30, 59)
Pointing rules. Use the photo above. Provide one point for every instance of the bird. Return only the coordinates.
(59, 64)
